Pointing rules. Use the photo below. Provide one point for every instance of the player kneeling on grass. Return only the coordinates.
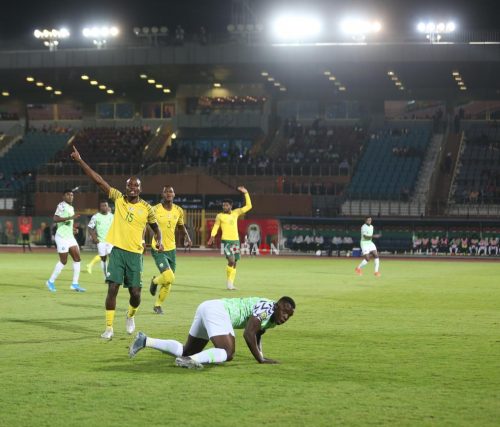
(215, 320)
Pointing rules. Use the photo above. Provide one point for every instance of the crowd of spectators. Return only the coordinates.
(229, 104)
(109, 145)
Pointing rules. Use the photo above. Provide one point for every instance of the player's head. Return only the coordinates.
(227, 205)
(68, 196)
(285, 308)
(368, 220)
(168, 193)
(103, 207)
(133, 187)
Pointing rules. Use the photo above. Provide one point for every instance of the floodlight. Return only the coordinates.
(37, 34)
(332, 78)
(114, 31)
(110, 91)
(270, 79)
(173, 136)
(57, 92)
(84, 77)
(440, 27)
(49, 88)
(450, 27)
(421, 27)
(158, 86)
(94, 82)
(30, 79)
(217, 85)
(39, 84)
(283, 89)
(390, 73)
(143, 76)
(297, 27)
(151, 81)
(455, 73)
(277, 84)
(166, 90)
(5, 93)
(264, 74)
(163, 30)
(327, 73)
(342, 88)
(463, 88)
(102, 87)
(430, 27)
(231, 28)
(359, 27)
(154, 30)
(145, 30)
(63, 33)
(136, 31)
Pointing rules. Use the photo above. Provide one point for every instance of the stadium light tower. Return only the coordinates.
(359, 29)
(153, 35)
(100, 35)
(434, 32)
(297, 28)
(51, 38)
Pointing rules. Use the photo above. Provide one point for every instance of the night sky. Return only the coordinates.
(20, 18)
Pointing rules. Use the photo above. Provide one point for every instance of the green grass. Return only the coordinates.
(418, 346)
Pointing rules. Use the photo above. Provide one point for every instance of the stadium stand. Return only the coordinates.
(391, 161)
(28, 154)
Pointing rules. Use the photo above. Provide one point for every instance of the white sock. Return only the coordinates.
(212, 355)
(76, 271)
(171, 347)
(363, 263)
(377, 264)
(103, 266)
(57, 270)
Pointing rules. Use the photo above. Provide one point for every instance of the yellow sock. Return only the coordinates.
(164, 278)
(97, 258)
(110, 316)
(132, 311)
(230, 274)
(163, 294)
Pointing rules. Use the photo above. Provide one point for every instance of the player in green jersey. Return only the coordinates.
(215, 320)
(98, 229)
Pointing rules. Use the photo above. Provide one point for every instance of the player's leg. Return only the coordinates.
(90, 265)
(116, 276)
(376, 261)
(133, 281)
(363, 263)
(231, 272)
(62, 250)
(28, 240)
(74, 251)
(165, 279)
(217, 324)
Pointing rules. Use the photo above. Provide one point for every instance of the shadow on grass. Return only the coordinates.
(61, 324)
(22, 286)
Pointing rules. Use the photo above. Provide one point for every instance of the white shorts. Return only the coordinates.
(63, 244)
(211, 319)
(367, 247)
(104, 248)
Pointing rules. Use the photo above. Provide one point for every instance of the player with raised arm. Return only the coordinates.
(98, 228)
(368, 247)
(170, 218)
(215, 320)
(125, 234)
(66, 242)
(227, 220)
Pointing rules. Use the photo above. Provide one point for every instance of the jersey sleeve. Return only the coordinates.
(151, 215)
(92, 223)
(216, 226)
(114, 194)
(263, 311)
(60, 210)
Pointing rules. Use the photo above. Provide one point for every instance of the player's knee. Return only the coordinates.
(168, 275)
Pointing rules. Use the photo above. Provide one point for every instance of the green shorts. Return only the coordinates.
(231, 248)
(164, 260)
(125, 268)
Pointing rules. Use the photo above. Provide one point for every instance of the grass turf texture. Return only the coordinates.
(418, 346)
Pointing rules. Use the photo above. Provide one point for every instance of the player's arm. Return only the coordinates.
(215, 230)
(248, 202)
(93, 175)
(93, 235)
(58, 218)
(252, 335)
(158, 237)
(187, 239)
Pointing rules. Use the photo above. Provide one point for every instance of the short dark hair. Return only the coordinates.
(102, 201)
(230, 201)
(288, 300)
(67, 191)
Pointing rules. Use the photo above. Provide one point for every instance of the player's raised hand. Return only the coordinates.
(75, 155)
(269, 361)
(242, 189)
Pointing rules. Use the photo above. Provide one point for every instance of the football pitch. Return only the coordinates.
(418, 346)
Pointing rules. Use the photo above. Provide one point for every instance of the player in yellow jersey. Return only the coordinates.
(125, 234)
(170, 217)
(227, 220)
